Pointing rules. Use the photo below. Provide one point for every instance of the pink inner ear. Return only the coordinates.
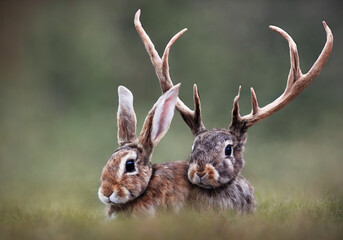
(163, 124)
(163, 115)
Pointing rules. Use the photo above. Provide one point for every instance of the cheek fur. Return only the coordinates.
(191, 172)
(137, 184)
(212, 173)
(106, 189)
(211, 177)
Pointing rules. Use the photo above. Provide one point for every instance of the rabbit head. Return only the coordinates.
(216, 158)
(217, 154)
(128, 170)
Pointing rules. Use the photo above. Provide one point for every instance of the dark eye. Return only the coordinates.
(130, 165)
(228, 150)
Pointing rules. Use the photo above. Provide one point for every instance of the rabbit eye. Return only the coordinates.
(228, 150)
(130, 165)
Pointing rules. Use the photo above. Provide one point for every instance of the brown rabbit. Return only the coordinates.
(129, 182)
(216, 159)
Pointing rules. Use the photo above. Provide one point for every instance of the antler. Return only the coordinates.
(296, 83)
(161, 66)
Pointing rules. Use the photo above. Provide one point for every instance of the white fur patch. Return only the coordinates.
(125, 98)
(102, 197)
(195, 178)
(216, 174)
(116, 199)
(131, 155)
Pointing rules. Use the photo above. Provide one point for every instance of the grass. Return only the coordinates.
(277, 218)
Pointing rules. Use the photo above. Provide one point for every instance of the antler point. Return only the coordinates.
(138, 13)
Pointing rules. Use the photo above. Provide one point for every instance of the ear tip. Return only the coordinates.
(174, 89)
(122, 89)
(177, 86)
(124, 92)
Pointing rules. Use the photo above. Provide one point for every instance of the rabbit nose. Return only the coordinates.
(201, 174)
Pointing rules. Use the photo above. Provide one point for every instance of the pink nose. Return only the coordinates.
(201, 174)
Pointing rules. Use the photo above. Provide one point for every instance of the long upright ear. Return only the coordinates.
(159, 118)
(126, 117)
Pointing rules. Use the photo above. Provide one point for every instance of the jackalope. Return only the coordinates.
(216, 159)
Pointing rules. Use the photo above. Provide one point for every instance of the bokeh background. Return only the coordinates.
(62, 61)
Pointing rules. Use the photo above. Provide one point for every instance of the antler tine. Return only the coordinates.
(161, 66)
(295, 71)
(296, 83)
(324, 55)
(149, 46)
(192, 118)
(167, 83)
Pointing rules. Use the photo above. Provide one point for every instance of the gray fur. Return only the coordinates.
(229, 189)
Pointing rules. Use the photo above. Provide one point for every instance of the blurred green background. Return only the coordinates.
(62, 61)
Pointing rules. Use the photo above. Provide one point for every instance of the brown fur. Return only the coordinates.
(126, 125)
(147, 188)
(168, 188)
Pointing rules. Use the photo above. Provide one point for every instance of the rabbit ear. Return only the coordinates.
(126, 117)
(159, 118)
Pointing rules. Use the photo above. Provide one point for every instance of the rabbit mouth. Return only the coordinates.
(115, 198)
(204, 186)
(120, 197)
(204, 177)
(205, 181)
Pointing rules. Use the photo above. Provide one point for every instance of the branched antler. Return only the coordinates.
(296, 83)
(161, 66)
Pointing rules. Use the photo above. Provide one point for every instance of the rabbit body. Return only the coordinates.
(238, 196)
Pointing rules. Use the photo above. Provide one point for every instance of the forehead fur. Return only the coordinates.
(115, 159)
(209, 144)
(211, 138)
